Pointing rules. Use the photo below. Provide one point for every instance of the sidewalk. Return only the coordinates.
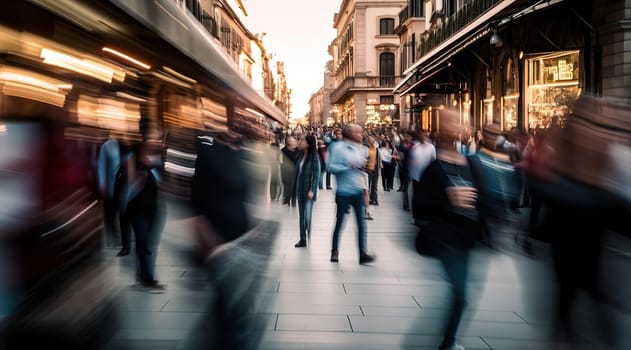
(310, 303)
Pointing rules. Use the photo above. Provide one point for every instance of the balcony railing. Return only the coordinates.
(471, 10)
(356, 83)
(403, 15)
(194, 7)
(411, 12)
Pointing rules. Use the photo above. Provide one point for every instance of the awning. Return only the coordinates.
(424, 77)
(184, 32)
(436, 60)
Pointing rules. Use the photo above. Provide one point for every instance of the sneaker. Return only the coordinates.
(365, 258)
(300, 244)
(334, 255)
(153, 287)
(123, 252)
(369, 217)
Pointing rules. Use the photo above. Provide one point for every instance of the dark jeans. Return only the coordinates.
(328, 179)
(455, 261)
(116, 223)
(373, 180)
(357, 202)
(147, 225)
(403, 176)
(387, 175)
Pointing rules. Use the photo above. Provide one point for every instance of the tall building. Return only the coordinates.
(365, 62)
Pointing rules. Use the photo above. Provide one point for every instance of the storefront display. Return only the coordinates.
(552, 88)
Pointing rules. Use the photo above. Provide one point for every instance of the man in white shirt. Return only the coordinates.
(421, 154)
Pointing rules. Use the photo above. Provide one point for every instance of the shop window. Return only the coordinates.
(553, 86)
(386, 26)
(510, 96)
(488, 117)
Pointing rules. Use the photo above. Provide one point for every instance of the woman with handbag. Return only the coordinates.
(447, 202)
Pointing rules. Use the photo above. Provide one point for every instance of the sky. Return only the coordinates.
(298, 33)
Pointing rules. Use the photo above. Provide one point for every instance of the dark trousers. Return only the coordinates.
(275, 186)
(455, 261)
(328, 179)
(387, 175)
(147, 225)
(116, 223)
(357, 202)
(289, 186)
(403, 176)
(373, 180)
(577, 245)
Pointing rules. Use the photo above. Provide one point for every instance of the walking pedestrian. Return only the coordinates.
(307, 180)
(110, 170)
(445, 197)
(144, 208)
(288, 170)
(388, 159)
(220, 187)
(373, 167)
(329, 147)
(346, 161)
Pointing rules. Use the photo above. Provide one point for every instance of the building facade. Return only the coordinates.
(507, 65)
(222, 19)
(365, 62)
(321, 111)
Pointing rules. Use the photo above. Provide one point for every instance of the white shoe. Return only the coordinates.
(454, 347)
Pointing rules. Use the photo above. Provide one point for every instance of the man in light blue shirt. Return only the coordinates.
(346, 161)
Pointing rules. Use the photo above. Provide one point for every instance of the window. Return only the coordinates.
(450, 8)
(417, 8)
(386, 69)
(386, 26)
(386, 100)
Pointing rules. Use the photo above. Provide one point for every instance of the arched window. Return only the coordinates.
(386, 69)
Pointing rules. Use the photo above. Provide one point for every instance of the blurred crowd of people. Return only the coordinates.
(440, 177)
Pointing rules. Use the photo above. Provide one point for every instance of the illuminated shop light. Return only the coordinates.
(179, 75)
(127, 58)
(108, 113)
(254, 112)
(91, 68)
(26, 84)
(172, 80)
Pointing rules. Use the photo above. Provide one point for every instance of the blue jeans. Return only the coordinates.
(305, 209)
(357, 202)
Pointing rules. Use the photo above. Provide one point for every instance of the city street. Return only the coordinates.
(396, 303)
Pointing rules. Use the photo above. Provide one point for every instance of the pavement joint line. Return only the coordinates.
(362, 310)
(518, 315)
(349, 323)
(417, 302)
(485, 342)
